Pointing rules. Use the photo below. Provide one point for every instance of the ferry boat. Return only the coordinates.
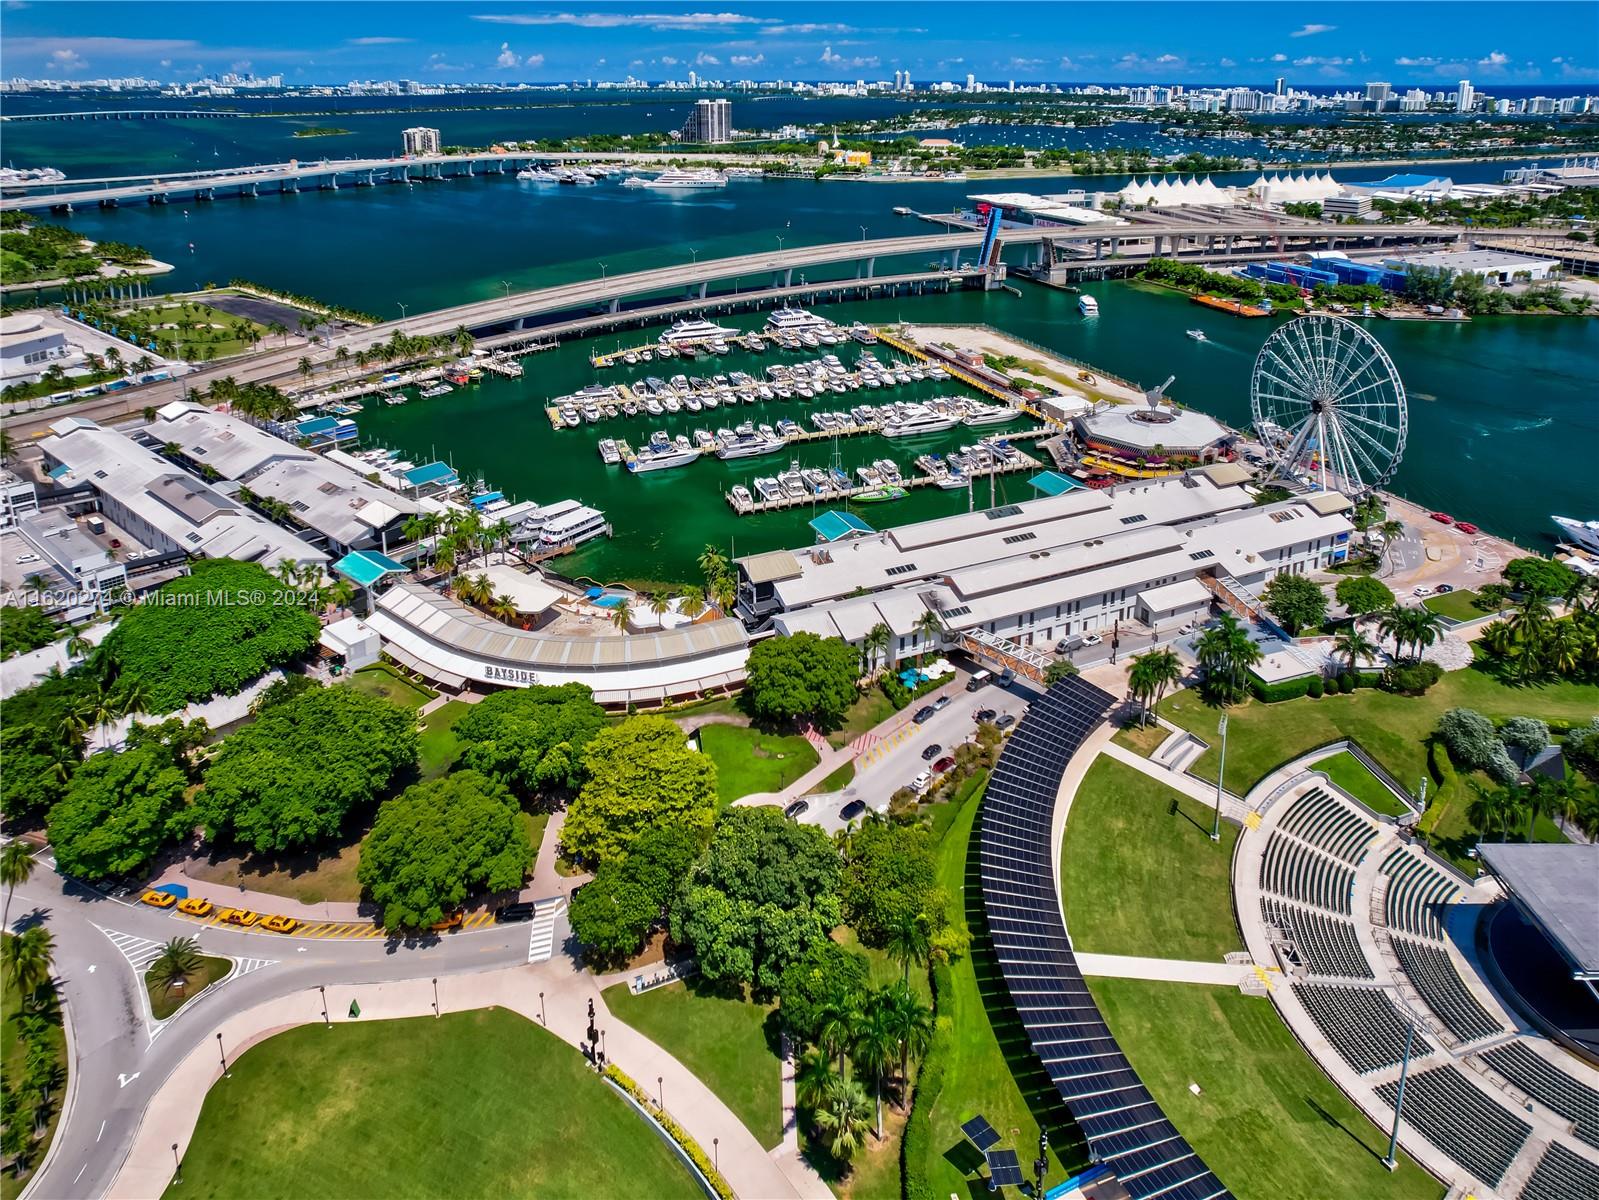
(1198, 335)
(1580, 533)
(918, 423)
(681, 179)
(570, 524)
(1088, 306)
(796, 320)
(694, 331)
(661, 453)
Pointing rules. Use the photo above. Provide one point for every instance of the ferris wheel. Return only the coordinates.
(1328, 404)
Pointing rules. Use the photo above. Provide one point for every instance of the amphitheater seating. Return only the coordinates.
(1292, 869)
(1463, 1122)
(1361, 1023)
(1417, 894)
(1320, 818)
(1549, 1086)
(1326, 945)
(1446, 994)
(1561, 1175)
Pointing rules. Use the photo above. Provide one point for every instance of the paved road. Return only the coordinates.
(120, 1057)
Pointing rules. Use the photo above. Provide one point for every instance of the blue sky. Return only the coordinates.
(330, 42)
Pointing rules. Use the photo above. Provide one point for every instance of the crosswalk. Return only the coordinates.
(140, 952)
(541, 937)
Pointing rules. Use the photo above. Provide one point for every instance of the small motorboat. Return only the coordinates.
(1198, 335)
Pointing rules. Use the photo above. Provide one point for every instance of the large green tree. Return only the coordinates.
(37, 763)
(765, 893)
(824, 975)
(1361, 594)
(532, 739)
(25, 627)
(1295, 600)
(1533, 576)
(293, 776)
(118, 811)
(641, 775)
(440, 841)
(890, 882)
(209, 633)
(617, 908)
(802, 676)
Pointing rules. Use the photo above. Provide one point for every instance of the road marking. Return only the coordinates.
(81, 1170)
(139, 952)
(541, 937)
(124, 1080)
(101, 1134)
(91, 968)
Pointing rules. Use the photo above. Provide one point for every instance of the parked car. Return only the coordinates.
(941, 704)
(158, 899)
(1423, 590)
(983, 714)
(923, 778)
(24, 559)
(947, 763)
(1466, 527)
(852, 810)
(194, 906)
(280, 924)
(931, 752)
(448, 921)
(1004, 721)
(241, 917)
(1067, 644)
(514, 912)
(1443, 589)
(924, 713)
(798, 809)
(1092, 639)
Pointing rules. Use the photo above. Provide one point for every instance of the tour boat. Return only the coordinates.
(694, 331)
(1088, 306)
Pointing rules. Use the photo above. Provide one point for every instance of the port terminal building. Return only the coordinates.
(1157, 553)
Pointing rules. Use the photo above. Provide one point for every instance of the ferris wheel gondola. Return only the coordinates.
(1329, 406)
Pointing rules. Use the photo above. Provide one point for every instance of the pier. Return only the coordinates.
(754, 506)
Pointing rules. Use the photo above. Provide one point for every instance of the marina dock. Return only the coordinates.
(746, 508)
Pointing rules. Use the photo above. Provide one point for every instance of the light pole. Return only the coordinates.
(402, 310)
(226, 1074)
(660, 1089)
(1215, 827)
(542, 1018)
(863, 233)
(716, 1154)
(327, 1020)
(779, 238)
(177, 1166)
(1390, 1160)
(435, 998)
(506, 284)
(602, 269)
(694, 255)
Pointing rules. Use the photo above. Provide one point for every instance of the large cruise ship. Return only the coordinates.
(681, 179)
(915, 422)
(696, 331)
(796, 320)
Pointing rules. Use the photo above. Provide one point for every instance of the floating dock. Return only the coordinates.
(1021, 462)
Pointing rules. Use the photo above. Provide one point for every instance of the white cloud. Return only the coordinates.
(1279, 58)
(1316, 60)
(507, 56)
(1424, 60)
(619, 20)
(1168, 59)
(668, 61)
(1227, 62)
(703, 59)
(1312, 30)
(839, 60)
(240, 66)
(535, 61)
(1025, 64)
(1066, 63)
(810, 28)
(166, 62)
(748, 60)
(378, 41)
(67, 60)
(1494, 59)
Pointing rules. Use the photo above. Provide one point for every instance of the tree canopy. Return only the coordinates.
(38, 762)
(209, 633)
(1295, 600)
(291, 777)
(824, 975)
(1362, 594)
(616, 909)
(641, 775)
(440, 841)
(890, 880)
(1535, 576)
(24, 627)
(532, 739)
(118, 811)
(802, 676)
(765, 892)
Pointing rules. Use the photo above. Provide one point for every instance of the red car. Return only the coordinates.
(1442, 518)
(1465, 527)
(944, 764)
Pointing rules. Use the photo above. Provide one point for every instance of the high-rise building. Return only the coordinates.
(693, 79)
(421, 140)
(971, 82)
(1465, 97)
(1379, 92)
(1277, 86)
(710, 122)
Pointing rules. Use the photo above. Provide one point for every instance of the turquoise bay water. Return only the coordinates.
(1503, 422)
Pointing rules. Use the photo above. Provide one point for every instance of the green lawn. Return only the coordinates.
(1139, 872)
(480, 1104)
(1349, 773)
(749, 761)
(990, 1068)
(311, 876)
(723, 1041)
(196, 326)
(1267, 1121)
(1141, 738)
(384, 681)
(868, 712)
(836, 780)
(439, 747)
(1456, 605)
(13, 1054)
(164, 1001)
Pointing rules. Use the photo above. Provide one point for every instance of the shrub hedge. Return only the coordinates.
(915, 1146)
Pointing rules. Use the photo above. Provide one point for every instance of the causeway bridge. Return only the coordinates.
(126, 114)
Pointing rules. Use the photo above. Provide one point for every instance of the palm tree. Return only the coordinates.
(909, 942)
(1395, 623)
(16, 866)
(878, 640)
(504, 608)
(287, 571)
(912, 1024)
(930, 628)
(724, 592)
(713, 565)
(78, 646)
(1150, 676)
(845, 1114)
(692, 603)
(26, 959)
(660, 603)
(621, 615)
(97, 710)
(813, 1075)
(1354, 645)
(133, 697)
(1426, 627)
(876, 1047)
(835, 1026)
(175, 965)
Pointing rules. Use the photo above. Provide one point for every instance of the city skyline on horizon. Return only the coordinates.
(1310, 45)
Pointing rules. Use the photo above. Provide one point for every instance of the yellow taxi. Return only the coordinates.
(241, 917)
(279, 924)
(194, 906)
(157, 899)
(450, 921)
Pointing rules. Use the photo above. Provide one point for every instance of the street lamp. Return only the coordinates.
(177, 1166)
(435, 997)
(779, 238)
(863, 233)
(506, 284)
(402, 310)
(226, 1074)
(716, 1154)
(660, 1088)
(1390, 1160)
(694, 255)
(602, 269)
(542, 1018)
(327, 1019)
(1215, 828)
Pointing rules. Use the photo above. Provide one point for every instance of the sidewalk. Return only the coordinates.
(1232, 807)
(175, 1109)
(1172, 970)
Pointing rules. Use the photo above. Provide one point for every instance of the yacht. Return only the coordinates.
(570, 523)
(750, 445)
(1198, 335)
(653, 407)
(1088, 306)
(1580, 533)
(917, 422)
(796, 320)
(741, 495)
(768, 488)
(437, 389)
(990, 414)
(862, 334)
(695, 331)
(609, 454)
(662, 452)
(681, 179)
(537, 175)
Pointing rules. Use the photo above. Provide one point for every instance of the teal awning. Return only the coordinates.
(831, 526)
(431, 473)
(366, 567)
(1053, 483)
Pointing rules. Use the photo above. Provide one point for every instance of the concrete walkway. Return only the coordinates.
(557, 988)
(1172, 970)
(1231, 806)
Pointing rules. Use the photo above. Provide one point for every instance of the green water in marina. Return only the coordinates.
(1503, 426)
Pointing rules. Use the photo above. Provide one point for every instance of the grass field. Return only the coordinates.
(164, 1001)
(1139, 872)
(1457, 605)
(836, 781)
(438, 745)
(870, 711)
(481, 1104)
(1349, 773)
(991, 1068)
(311, 877)
(385, 682)
(723, 1041)
(194, 326)
(1143, 739)
(13, 1054)
(1267, 1121)
(749, 761)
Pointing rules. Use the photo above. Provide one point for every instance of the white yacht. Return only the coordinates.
(750, 445)
(662, 452)
(695, 331)
(796, 320)
(917, 422)
(990, 414)
(569, 523)
(682, 179)
(1088, 306)
(1580, 533)
(537, 175)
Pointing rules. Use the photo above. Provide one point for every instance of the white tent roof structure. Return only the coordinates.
(1167, 192)
(1302, 188)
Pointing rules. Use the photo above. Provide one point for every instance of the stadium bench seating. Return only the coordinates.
(1291, 868)
(1326, 822)
(1362, 1024)
(1549, 1086)
(1326, 945)
(1561, 1175)
(1417, 894)
(1446, 993)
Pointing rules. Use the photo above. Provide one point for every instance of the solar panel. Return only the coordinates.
(1003, 1169)
(1125, 1128)
(980, 1133)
